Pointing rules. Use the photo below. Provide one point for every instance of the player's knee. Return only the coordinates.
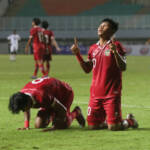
(36, 125)
(40, 123)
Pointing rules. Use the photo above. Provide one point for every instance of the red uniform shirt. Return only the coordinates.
(43, 91)
(48, 34)
(47, 40)
(107, 77)
(37, 34)
(38, 48)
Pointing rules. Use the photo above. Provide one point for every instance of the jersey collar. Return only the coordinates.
(102, 47)
(33, 100)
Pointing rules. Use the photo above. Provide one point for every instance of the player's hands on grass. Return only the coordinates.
(23, 128)
(74, 48)
(49, 129)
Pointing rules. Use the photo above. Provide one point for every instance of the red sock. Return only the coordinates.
(47, 68)
(36, 69)
(130, 122)
(41, 66)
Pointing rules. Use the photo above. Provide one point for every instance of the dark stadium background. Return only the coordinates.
(69, 18)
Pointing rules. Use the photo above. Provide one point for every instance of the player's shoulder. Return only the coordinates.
(117, 42)
(40, 28)
(93, 46)
(120, 47)
(31, 29)
(45, 31)
(49, 32)
(35, 28)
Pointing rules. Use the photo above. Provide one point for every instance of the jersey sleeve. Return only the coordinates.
(19, 38)
(52, 33)
(121, 50)
(90, 53)
(32, 32)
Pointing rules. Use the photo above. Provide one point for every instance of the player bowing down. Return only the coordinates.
(53, 98)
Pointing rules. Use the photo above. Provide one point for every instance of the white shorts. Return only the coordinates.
(13, 48)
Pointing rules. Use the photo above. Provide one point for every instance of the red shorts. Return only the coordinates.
(38, 51)
(100, 110)
(46, 113)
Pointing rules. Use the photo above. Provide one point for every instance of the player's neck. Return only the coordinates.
(103, 41)
(35, 26)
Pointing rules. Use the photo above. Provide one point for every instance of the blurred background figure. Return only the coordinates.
(77, 21)
(14, 39)
(49, 41)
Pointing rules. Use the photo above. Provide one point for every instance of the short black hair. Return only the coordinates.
(17, 102)
(114, 25)
(37, 21)
(45, 24)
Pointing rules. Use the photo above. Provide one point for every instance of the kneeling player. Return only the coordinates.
(53, 97)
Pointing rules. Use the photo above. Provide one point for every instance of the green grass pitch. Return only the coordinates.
(135, 99)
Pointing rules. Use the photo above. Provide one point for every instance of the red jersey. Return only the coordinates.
(44, 90)
(107, 77)
(47, 36)
(37, 34)
(47, 41)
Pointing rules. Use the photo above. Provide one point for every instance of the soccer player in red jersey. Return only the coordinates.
(106, 59)
(53, 98)
(49, 41)
(36, 34)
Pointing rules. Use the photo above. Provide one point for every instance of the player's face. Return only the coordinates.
(33, 24)
(104, 30)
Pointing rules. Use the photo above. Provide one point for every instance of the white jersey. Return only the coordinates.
(14, 39)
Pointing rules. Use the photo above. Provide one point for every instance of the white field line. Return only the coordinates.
(86, 103)
(14, 73)
(123, 105)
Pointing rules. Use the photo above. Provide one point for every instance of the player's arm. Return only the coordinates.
(54, 43)
(120, 60)
(28, 44)
(26, 120)
(85, 65)
(8, 38)
(19, 38)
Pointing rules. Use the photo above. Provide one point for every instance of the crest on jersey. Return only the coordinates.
(107, 52)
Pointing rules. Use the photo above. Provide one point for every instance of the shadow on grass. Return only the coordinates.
(142, 129)
(77, 128)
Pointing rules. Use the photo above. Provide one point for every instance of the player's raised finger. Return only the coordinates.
(75, 41)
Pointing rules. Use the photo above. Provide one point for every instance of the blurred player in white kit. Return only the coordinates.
(14, 39)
